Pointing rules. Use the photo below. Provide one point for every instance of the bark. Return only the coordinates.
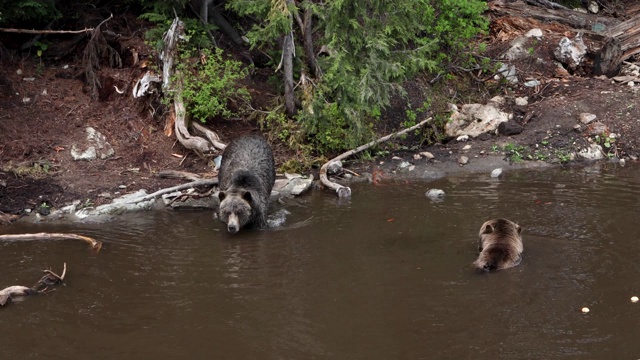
(287, 58)
(344, 191)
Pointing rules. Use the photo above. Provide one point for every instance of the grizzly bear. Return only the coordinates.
(500, 245)
(246, 177)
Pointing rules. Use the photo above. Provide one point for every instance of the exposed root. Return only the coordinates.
(96, 49)
(345, 191)
(95, 244)
(201, 146)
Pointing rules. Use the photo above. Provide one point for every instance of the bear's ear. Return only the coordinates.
(221, 195)
(519, 229)
(247, 197)
(488, 229)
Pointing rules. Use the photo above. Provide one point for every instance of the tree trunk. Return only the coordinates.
(287, 60)
(307, 32)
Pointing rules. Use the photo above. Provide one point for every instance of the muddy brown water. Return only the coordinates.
(385, 276)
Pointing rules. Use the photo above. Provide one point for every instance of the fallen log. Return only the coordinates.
(95, 244)
(345, 191)
(575, 19)
(42, 286)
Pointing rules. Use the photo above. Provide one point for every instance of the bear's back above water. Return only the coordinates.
(246, 178)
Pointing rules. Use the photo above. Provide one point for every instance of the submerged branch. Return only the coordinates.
(95, 244)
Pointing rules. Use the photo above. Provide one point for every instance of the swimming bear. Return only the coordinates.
(500, 245)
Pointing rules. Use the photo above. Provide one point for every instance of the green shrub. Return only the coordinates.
(211, 84)
(31, 12)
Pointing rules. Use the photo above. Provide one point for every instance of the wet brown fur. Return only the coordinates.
(500, 245)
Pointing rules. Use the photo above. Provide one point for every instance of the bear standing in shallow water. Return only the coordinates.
(500, 245)
(246, 177)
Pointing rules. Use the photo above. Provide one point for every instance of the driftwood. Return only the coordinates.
(201, 146)
(193, 184)
(345, 191)
(95, 244)
(42, 286)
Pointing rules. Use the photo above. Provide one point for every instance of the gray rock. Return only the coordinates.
(508, 72)
(462, 160)
(571, 52)
(126, 203)
(586, 118)
(294, 184)
(536, 33)
(522, 101)
(432, 175)
(593, 152)
(510, 128)
(475, 119)
(496, 172)
(435, 194)
(532, 83)
(595, 128)
(404, 165)
(335, 167)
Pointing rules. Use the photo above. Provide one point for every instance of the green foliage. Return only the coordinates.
(374, 46)
(14, 12)
(211, 84)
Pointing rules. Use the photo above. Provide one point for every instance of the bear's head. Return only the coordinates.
(235, 209)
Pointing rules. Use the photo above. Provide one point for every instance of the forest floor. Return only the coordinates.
(45, 108)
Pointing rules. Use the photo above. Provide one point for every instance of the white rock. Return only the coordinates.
(613, 135)
(536, 33)
(585, 310)
(412, 167)
(396, 158)
(94, 146)
(622, 162)
(404, 164)
(634, 299)
(417, 157)
(466, 147)
(462, 138)
(593, 7)
(517, 49)
(19, 72)
(522, 101)
(496, 172)
(462, 160)
(631, 84)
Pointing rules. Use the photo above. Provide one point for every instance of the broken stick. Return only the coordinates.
(345, 191)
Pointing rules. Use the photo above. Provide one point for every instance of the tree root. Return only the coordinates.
(201, 146)
(41, 287)
(345, 191)
(96, 49)
(95, 244)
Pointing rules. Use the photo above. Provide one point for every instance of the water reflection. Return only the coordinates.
(385, 276)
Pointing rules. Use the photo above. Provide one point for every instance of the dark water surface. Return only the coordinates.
(386, 276)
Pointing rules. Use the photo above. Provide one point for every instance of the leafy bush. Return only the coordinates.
(212, 84)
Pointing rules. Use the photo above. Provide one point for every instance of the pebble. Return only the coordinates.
(427, 155)
(462, 160)
(585, 310)
(634, 299)
(435, 194)
(417, 157)
(466, 147)
(462, 138)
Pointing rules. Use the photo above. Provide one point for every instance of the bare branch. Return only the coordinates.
(344, 191)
